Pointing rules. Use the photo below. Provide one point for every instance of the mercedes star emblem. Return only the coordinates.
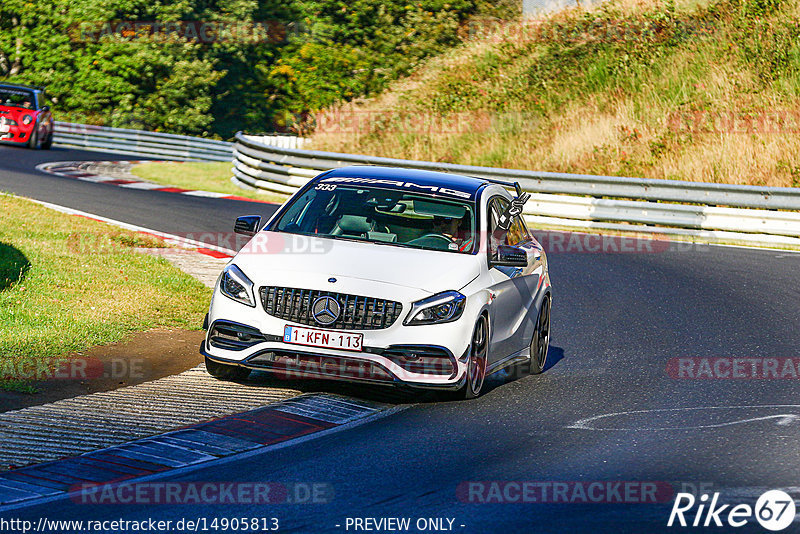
(326, 310)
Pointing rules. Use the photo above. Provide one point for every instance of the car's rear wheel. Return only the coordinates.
(540, 343)
(47, 143)
(224, 371)
(477, 362)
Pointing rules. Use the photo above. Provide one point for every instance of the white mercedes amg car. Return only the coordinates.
(388, 276)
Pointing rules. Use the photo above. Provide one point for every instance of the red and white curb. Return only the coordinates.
(190, 447)
(81, 170)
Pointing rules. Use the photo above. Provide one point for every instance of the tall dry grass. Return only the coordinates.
(706, 91)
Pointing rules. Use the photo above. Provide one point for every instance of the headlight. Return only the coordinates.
(440, 308)
(235, 285)
(26, 120)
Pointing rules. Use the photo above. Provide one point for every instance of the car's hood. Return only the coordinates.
(308, 262)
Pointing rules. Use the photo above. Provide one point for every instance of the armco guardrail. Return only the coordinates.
(278, 163)
(714, 211)
(546, 182)
(142, 143)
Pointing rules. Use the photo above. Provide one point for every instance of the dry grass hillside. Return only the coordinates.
(704, 91)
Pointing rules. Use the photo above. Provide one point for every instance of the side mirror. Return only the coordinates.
(508, 256)
(45, 108)
(247, 225)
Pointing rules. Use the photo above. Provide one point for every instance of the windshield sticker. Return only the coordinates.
(514, 210)
(504, 222)
(400, 185)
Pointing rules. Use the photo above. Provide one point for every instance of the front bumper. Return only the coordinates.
(291, 362)
(426, 356)
(15, 135)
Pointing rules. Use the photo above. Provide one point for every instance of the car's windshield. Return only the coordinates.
(16, 97)
(386, 216)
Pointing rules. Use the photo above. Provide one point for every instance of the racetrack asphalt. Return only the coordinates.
(619, 321)
(156, 210)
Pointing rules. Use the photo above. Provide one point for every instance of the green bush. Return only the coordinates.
(323, 51)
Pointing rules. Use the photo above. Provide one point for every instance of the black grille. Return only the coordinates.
(357, 312)
(298, 365)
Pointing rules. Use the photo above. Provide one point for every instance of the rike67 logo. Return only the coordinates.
(774, 510)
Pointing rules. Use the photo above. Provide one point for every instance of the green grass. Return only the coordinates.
(215, 177)
(68, 283)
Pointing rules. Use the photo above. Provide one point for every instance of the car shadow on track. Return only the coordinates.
(554, 355)
(368, 392)
(392, 394)
(517, 372)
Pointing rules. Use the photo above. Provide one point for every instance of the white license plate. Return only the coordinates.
(328, 339)
(5, 128)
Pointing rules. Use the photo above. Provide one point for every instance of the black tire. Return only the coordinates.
(47, 143)
(33, 142)
(222, 371)
(540, 343)
(477, 362)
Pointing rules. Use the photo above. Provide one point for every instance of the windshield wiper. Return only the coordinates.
(415, 247)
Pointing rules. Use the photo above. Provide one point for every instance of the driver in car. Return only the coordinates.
(451, 228)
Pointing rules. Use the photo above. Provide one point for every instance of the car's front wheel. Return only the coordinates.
(477, 362)
(541, 339)
(33, 140)
(224, 371)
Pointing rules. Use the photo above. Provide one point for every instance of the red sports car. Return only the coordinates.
(24, 116)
